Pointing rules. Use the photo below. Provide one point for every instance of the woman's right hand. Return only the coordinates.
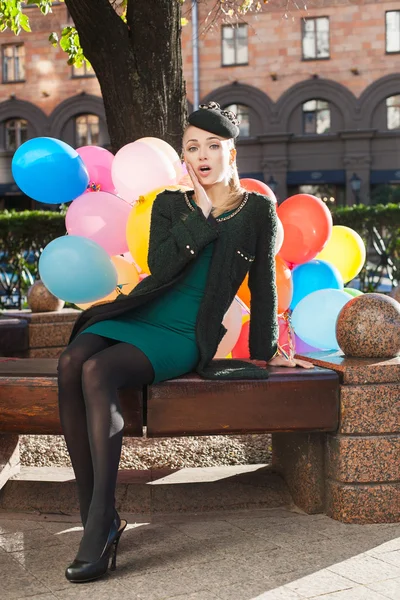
(202, 200)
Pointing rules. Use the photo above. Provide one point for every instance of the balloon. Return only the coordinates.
(138, 229)
(307, 223)
(302, 347)
(254, 185)
(77, 269)
(138, 169)
(241, 348)
(284, 284)
(346, 250)
(314, 318)
(49, 170)
(102, 218)
(353, 292)
(280, 234)
(127, 279)
(244, 292)
(314, 275)
(169, 152)
(98, 162)
(233, 322)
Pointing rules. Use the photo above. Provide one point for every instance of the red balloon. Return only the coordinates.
(241, 349)
(307, 224)
(254, 185)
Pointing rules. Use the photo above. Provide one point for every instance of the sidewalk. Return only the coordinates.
(264, 554)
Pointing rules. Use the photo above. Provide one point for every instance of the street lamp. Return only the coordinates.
(355, 183)
(272, 184)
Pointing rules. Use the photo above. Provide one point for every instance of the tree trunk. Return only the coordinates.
(138, 65)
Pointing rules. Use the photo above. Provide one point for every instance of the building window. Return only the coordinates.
(13, 63)
(243, 115)
(16, 131)
(234, 45)
(84, 71)
(315, 37)
(316, 117)
(393, 31)
(87, 129)
(393, 112)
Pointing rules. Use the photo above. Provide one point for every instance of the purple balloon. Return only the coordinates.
(302, 347)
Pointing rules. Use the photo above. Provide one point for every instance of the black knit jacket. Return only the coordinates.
(243, 243)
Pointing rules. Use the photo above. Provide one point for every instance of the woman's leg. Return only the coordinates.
(73, 411)
(103, 374)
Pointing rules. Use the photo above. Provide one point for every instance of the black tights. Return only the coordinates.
(90, 372)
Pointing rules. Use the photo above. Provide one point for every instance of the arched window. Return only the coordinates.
(316, 117)
(87, 129)
(16, 133)
(243, 115)
(393, 112)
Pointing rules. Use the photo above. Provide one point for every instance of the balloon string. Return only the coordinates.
(291, 344)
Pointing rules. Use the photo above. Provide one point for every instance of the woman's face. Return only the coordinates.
(210, 155)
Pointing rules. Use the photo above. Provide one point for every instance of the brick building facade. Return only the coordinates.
(318, 93)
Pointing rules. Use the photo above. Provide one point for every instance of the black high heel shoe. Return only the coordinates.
(81, 571)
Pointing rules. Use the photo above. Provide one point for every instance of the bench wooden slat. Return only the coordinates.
(290, 400)
(29, 400)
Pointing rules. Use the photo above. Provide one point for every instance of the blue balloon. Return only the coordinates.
(77, 269)
(49, 170)
(314, 318)
(312, 276)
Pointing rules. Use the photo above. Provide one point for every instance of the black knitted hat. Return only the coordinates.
(211, 117)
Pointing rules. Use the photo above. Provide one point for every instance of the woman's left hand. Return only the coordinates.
(281, 361)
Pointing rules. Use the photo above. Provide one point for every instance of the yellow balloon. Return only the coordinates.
(345, 250)
(138, 226)
(128, 278)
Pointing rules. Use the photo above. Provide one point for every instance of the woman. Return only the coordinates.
(202, 245)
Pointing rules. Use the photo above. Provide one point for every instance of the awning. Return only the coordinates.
(10, 189)
(258, 175)
(314, 177)
(388, 176)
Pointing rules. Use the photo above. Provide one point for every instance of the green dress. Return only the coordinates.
(164, 329)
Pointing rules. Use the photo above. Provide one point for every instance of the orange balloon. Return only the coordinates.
(128, 278)
(307, 224)
(284, 284)
(244, 292)
(254, 185)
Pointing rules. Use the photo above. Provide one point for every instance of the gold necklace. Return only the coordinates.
(219, 219)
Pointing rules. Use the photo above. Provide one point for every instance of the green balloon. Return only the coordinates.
(353, 292)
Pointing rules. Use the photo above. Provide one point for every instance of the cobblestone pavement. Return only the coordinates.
(269, 554)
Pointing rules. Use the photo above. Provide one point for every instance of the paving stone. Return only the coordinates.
(14, 525)
(16, 582)
(202, 595)
(390, 588)
(208, 530)
(358, 593)
(245, 590)
(107, 588)
(392, 558)
(278, 594)
(386, 546)
(321, 582)
(365, 569)
(161, 584)
(26, 540)
(47, 565)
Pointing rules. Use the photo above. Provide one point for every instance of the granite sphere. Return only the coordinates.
(39, 299)
(369, 326)
(395, 293)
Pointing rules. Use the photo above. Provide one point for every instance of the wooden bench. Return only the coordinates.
(290, 400)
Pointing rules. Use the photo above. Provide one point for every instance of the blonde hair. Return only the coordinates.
(236, 191)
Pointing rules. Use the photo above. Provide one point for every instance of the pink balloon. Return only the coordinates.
(233, 322)
(166, 149)
(98, 162)
(101, 217)
(138, 169)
